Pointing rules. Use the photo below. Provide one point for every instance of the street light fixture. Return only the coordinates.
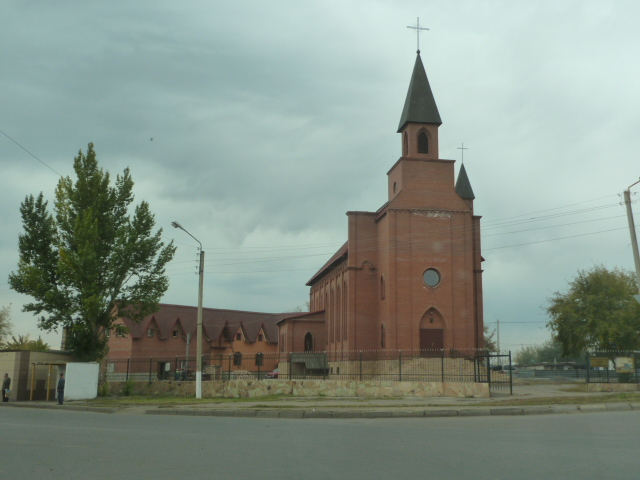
(199, 330)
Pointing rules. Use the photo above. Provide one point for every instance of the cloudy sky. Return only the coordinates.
(257, 125)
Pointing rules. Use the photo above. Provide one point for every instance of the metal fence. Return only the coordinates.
(447, 365)
(499, 371)
(612, 367)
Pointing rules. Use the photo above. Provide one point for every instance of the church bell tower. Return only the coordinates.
(420, 118)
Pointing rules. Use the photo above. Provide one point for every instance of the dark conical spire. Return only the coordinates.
(420, 106)
(463, 186)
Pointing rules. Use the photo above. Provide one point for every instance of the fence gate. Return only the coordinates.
(496, 370)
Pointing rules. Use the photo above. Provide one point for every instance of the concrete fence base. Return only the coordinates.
(307, 388)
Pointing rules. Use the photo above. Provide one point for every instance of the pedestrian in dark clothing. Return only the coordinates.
(60, 389)
(6, 385)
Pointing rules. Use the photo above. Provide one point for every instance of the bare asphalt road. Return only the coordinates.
(59, 444)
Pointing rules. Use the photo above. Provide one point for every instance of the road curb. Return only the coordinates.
(507, 411)
(351, 414)
(536, 410)
(594, 408)
(55, 406)
(433, 413)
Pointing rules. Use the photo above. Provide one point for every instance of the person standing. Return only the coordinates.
(6, 385)
(60, 389)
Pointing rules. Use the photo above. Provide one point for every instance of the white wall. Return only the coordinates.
(82, 381)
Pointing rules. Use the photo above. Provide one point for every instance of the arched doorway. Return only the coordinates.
(308, 342)
(431, 331)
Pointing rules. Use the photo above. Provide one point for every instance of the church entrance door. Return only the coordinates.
(431, 339)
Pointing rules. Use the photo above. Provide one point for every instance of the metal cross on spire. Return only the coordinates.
(417, 28)
(463, 148)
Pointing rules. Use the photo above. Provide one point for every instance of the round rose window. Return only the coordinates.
(431, 277)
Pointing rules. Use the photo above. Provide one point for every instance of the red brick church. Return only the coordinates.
(409, 275)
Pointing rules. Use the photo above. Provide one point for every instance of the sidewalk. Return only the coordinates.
(540, 398)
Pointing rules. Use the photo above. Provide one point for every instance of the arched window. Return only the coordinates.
(383, 292)
(345, 291)
(423, 143)
(405, 144)
(308, 342)
(339, 313)
(383, 341)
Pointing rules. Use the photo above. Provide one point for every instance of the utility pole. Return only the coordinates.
(199, 330)
(634, 240)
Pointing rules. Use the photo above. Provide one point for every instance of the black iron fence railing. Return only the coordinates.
(447, 365)
(617, 366)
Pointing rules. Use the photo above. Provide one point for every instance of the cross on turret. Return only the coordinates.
(417, 28)
(463, 148)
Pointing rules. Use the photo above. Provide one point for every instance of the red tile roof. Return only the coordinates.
(214, 320)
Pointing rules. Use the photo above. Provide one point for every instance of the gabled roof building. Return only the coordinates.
(165, 333)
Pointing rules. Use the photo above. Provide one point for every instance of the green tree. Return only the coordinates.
(24, 342)
(527, 355)
(93, 260)
(5, 325)
(489, 341)
(550, 351)
(598, 311)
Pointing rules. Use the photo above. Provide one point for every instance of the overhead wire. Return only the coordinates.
(413, 237)
(449, 229)
(490, 225)
(38, 159)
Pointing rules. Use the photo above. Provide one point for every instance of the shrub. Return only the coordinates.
(103, 390)
(127, 390)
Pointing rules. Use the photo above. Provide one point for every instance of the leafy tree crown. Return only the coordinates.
(93, 259)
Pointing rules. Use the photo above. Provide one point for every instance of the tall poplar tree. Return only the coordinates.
(93, 260)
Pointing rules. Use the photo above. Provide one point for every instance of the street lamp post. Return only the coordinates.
(199, 330)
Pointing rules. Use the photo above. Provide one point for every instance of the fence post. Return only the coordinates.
(259, 361)
(126, 379)
(400, 365)
(290, 367)
(588, 366)
(475, 369)
(150, 368)
(229, 377)
(510, 376)
(489, 369)
(360, 365)
(324, 370)
(442, 366)
(635, 365)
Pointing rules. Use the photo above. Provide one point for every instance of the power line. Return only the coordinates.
(42, 162)
(555, 239)
(532, 321)
(229, 262)
(413, 237)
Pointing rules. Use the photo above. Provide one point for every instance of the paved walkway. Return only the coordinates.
(538, 398)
